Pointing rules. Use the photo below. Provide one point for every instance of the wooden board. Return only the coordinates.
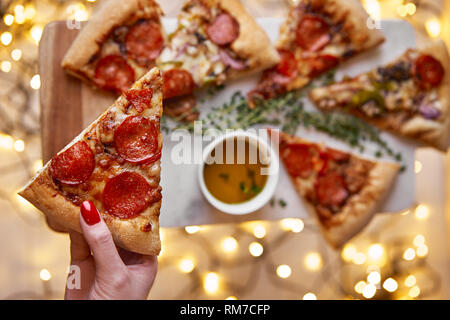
(67, 104)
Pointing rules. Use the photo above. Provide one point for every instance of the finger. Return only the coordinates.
(79, 249)
(100, 240)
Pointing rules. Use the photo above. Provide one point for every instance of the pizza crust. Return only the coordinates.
(361, 207)
(430, 131)
(111, 14)
(254, 44)
(43, 194)
(357, 24)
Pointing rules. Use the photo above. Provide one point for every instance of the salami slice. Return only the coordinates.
(73, 166)
(144, 42)
(298, 159)
(136, 140)
(313, 33)
(288, 64)
(330, 189)
(429, 71)
(140, 99)
(224, 30)
(321, 64)
(127, 195)
(177, 82)
(113, 73)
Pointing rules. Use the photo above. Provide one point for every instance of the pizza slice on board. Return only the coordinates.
(341, 190)
(316, 37)
(118, 45)
(115, 163)
(409, 96)
(216, 40)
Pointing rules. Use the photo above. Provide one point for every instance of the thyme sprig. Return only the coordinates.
(288, 113)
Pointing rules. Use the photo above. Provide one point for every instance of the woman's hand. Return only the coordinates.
(109, 272)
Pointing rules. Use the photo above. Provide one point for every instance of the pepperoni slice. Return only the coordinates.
(331, 189)
(321, 64)
(73, 166)
(288, 64)
(313, 33)
(224, 30)
(144, 42)
(136, 140)
(127, 195)
(140, 99)
(113, 73)
(298, 159)
(337, 155)
(177, 82)
(429, 71)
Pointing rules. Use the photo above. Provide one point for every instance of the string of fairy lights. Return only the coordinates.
(371, 268)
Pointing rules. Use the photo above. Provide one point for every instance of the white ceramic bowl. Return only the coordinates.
(263, 197)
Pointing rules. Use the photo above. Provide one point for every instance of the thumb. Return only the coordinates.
(100, 241)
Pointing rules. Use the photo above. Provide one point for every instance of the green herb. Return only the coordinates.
(282, 203)
(272, 202)
(224, 176)
(288, 113)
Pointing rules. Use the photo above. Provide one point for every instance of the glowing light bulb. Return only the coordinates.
(309, 296)
(419, 240)
(259, 231)
(374, 277)
(433, 27)
(211, 282)
(294, 225)
(192, 229)
(6, 66)
(45, 275)
(414, 292)
(409, 254)
(373, 8)
(359, 286)
(284, 271)
(6, 141)
(410, 8)
(375, 252)
(422, 251)
(19, 14)
(16, 54)
(8, 19)
(255, 249)
(369, 291)
(390, 285)
(35, 82)
(410, 280)
(313, 261)
(186, 265)
(6, 38)
(422, 212)
(349, 252)
(229, 244)
(231, 298)
(417, 166)
(29, 12)
(37, 165)
(402, 11)
(36, 34)
(19, 145)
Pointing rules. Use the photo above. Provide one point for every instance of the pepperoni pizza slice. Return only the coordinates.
(341, 189)
(118, 45)
(115, 163)
(216, 40)
(409, 96)
(316, 37)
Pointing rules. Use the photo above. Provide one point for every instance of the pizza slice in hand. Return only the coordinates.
(342, 190)
(316, 37)
(115, 163)
(118, 45)
(216, 40)
(409, 96)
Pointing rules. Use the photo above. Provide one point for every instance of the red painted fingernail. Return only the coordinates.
(90, 213)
